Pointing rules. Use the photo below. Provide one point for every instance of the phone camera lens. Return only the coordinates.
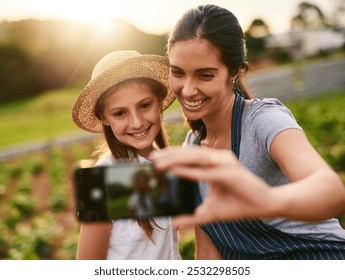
(96, 194)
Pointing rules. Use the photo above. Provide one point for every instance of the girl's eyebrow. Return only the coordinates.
(114, 109)
(147, 99)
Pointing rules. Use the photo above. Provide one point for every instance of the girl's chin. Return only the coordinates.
(143, 145)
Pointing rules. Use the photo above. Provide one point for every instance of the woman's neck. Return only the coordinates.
(218, 127)
(218, 130)
(218, 137)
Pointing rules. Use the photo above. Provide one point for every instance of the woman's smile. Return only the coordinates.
(194, 104)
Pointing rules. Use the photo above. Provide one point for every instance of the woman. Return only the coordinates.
(279, 178)
(124, 100)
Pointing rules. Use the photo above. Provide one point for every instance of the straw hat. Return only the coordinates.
(113, 68)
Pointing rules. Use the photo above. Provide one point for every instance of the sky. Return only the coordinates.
(154, 16)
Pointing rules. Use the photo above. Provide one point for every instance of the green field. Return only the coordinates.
(40, 118)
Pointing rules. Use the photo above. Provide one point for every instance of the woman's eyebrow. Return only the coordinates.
(197, 70)
(207, 69)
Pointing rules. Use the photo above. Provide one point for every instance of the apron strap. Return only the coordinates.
(237, 124)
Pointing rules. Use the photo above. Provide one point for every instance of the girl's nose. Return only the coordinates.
(136, 121)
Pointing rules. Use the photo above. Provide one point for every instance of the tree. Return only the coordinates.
(255, 37)
(309, 16)
(258, 28)
(18, 78)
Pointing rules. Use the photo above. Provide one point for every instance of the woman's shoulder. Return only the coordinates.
(266, 108)
(260, 103)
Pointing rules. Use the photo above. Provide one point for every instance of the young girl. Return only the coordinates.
(124, 100)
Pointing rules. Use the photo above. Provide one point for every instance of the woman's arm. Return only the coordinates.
(93, 241)
(316, 192)
(204, 248)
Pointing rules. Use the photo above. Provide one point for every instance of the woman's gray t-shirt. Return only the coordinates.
(262, 121)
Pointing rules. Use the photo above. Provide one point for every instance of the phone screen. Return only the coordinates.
(130, 190)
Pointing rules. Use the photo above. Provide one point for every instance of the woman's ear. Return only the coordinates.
(235, 73)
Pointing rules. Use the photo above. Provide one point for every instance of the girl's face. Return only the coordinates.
(199, 79)
(133, 113)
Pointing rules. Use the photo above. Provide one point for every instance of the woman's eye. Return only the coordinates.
(176, 73)
(206, 76)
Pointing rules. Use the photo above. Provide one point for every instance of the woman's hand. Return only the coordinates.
(234, 192)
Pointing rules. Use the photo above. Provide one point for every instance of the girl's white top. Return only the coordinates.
(128, 241)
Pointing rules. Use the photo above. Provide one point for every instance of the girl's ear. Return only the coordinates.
(104, 121)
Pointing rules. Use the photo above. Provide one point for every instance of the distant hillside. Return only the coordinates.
(58, 53)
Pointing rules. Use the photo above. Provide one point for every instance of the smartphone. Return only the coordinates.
(130, 190)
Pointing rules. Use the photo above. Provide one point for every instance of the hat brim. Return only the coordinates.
(146, 66)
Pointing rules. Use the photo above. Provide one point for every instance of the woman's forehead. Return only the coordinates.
(198, 53)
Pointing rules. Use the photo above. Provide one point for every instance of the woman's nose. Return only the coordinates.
(189, 88)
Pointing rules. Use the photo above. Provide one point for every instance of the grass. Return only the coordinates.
(39, 118)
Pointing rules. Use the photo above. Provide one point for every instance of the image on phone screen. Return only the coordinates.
(130, 190)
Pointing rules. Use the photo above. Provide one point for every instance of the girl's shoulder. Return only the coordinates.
(106, 160)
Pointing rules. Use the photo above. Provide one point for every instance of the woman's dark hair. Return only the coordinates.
(221, 29)
(122, 151)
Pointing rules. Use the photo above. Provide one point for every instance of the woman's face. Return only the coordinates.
(199, 79)
(133, 113)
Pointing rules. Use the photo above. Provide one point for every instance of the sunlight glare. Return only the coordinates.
(105, 26)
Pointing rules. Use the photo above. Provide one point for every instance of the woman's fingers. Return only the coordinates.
(193, 156)
(202, 215)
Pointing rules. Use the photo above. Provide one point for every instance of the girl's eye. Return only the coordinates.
(119, 114)
(145, 106)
